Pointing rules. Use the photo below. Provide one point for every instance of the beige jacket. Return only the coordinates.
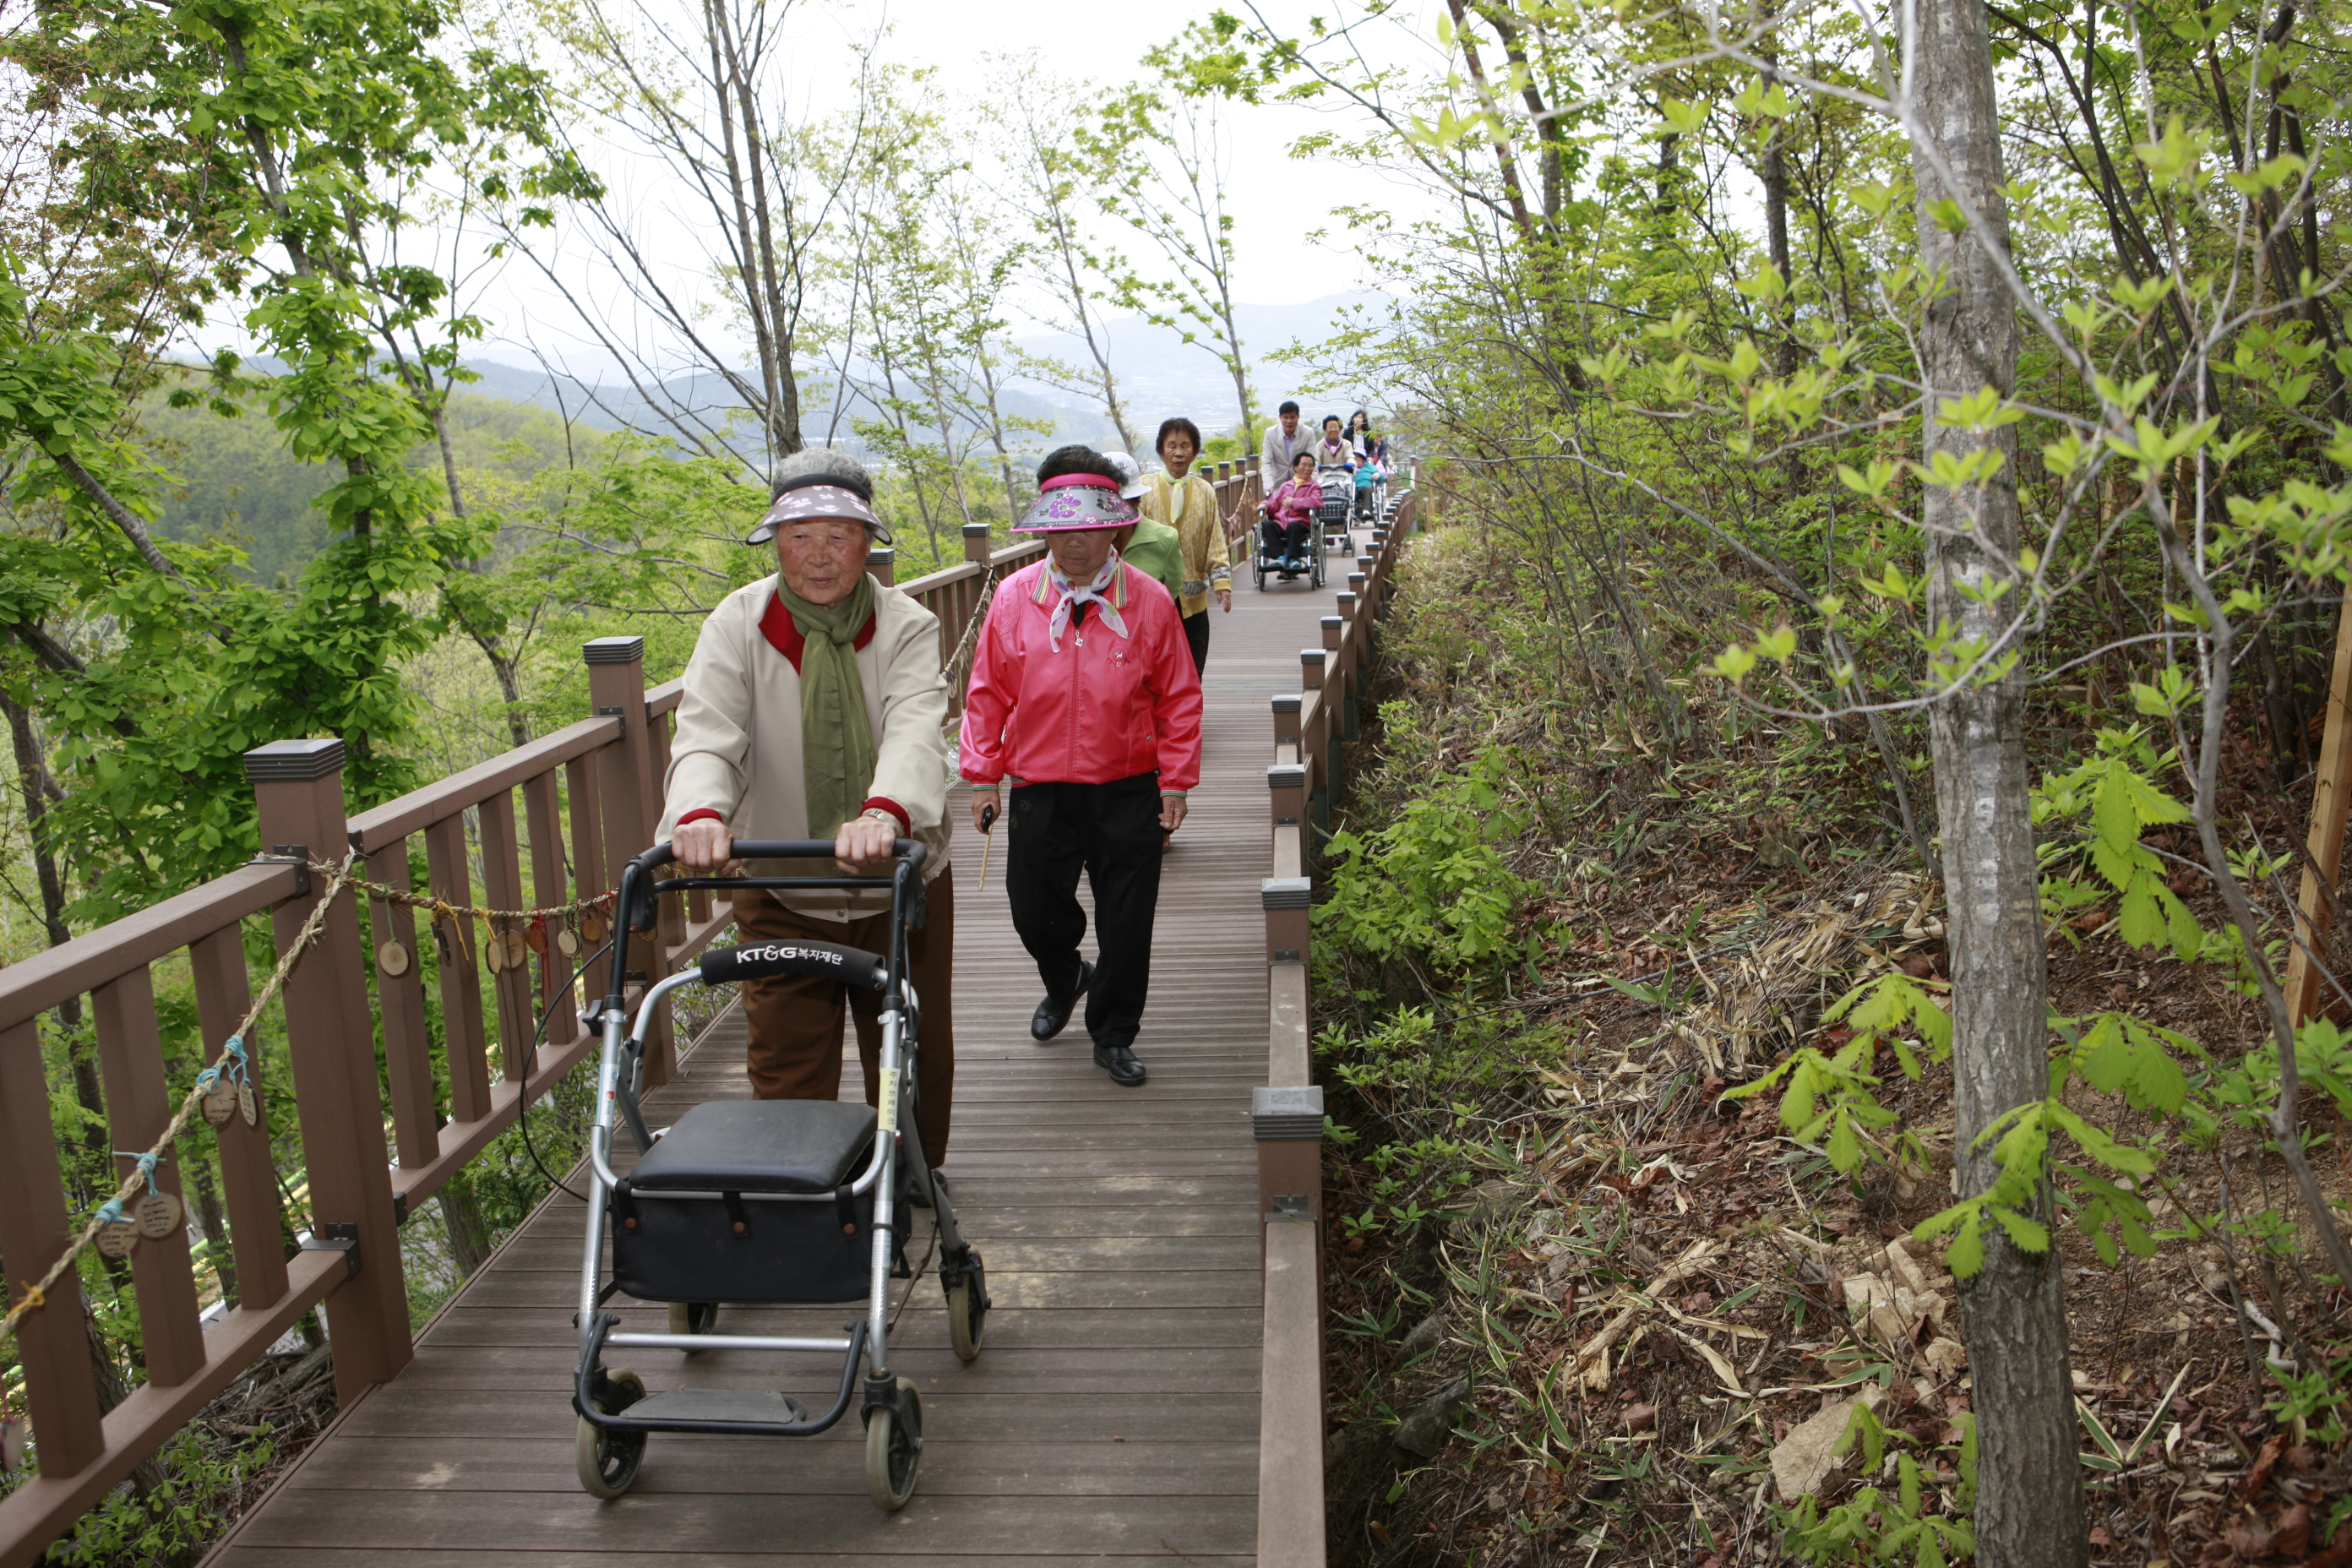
(737, 746)
(1200, 536)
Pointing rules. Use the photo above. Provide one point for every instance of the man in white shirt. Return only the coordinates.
(1284, 442)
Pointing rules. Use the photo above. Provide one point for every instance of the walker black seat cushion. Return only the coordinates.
(733, 1247)
(760, 1146)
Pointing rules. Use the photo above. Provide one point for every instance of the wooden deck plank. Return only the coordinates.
(1114, 1412)
(300, 1557)
(726, 1466)
(802, 1526)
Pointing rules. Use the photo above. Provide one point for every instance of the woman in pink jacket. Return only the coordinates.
(1289, 525)
(1085, 701)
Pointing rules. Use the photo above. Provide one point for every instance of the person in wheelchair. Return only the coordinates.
(814, 706)
(1288, 530)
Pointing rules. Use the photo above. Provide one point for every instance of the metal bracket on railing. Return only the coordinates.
(295, 855)
(399, 1209)
(1284, 955)
(1290, 1208)
(342, 1239)
(620, 713)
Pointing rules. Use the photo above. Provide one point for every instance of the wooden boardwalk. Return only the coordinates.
(1113, 1412)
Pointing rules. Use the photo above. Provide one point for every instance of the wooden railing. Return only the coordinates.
(591, 794)
(1287, 1116)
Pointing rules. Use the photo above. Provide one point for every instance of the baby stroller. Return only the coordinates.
(1331, 523)
(766, 1201)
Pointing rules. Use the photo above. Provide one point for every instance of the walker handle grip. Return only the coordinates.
(756, 959)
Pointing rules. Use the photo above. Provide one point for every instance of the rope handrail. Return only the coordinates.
(232, 1058)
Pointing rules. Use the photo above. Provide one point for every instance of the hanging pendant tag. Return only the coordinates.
(158, 1214)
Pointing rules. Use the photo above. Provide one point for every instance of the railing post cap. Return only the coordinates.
(975, 531)
(1332, 623)
(298, 762)
(1310, 656)
(880, 553)
(1287, 701)
(1286, 893)
(1293, 1113)
(1286, 776)
(1347, 603)
(615, 651)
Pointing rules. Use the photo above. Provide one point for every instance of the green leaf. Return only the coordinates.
(2105, 1055)
(2029, 1234)
(2139, 919)
(1844, 1147)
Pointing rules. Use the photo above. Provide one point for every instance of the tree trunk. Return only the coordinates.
(2030, 1504)
(199, 1171)
(33, 777)
(470, 1235)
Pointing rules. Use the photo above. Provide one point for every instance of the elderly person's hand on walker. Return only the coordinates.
(814, 706)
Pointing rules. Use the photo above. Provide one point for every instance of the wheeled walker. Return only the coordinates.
(771, 1201)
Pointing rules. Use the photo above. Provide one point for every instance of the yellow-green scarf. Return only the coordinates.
(837, 751)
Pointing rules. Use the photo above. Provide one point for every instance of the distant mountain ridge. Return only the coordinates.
(1159, 375)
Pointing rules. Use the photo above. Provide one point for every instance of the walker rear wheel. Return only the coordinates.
(693, 1317)
(894, 1451)
(968, 1312)
(609, 1460)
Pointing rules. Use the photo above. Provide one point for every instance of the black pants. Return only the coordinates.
(1110, 832)
(1196, 634)
(1286, 540)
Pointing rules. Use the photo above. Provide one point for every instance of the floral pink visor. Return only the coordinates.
(1076, 503)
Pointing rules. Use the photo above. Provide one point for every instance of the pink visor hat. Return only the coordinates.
(1076, 503)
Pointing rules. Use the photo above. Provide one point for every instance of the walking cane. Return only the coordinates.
(987, 842)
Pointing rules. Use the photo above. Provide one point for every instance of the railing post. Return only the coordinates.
(298, 796)
(882, 565)
(1285, 720)
(631, 798)
(976, 543)
(1314, 742)
(1286, 1120)
(1287, 784)
(34, 1228)
(1357, 658)
(138, 1109)
(1288, 904)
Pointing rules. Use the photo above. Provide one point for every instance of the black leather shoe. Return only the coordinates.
(1053, 1014)
(1120, 1063)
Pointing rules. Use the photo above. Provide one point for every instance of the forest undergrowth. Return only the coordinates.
(1587, 1306)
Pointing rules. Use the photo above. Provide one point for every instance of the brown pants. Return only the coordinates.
(795, 1022)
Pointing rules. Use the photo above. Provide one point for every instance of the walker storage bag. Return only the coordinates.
(729, 1245)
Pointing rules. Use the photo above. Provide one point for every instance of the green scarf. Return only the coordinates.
(837, 751)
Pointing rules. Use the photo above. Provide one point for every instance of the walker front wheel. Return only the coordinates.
(609, 1460)
(693, 1317)
(968, 1311)
(894, 1450)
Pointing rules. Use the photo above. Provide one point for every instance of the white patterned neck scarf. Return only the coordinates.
(1072, 595)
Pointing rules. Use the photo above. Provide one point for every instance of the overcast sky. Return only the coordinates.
(1277, 202)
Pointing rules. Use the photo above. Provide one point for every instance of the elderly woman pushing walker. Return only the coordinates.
(1084, 700)
(813, 708)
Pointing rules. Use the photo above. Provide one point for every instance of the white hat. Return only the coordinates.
(1131, 475)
